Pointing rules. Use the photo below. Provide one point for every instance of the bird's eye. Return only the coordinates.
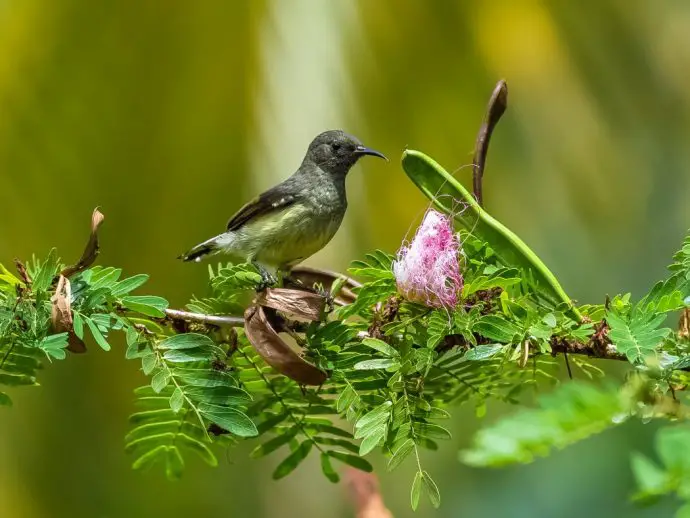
(336, 147)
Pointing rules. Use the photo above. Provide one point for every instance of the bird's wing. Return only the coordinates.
(266, 203)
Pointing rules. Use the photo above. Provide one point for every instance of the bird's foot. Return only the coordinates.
(268, 280)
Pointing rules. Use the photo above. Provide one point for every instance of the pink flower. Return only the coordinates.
(427, 271)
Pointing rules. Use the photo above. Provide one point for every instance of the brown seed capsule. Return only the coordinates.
(92, 248)
(298, 303)
(273, 349)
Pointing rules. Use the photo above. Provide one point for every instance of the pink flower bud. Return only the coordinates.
(427, 271)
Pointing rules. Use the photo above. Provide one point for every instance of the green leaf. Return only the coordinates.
(376, 364)
(379, 414)
(5, 399)
(431, 489)
(571, 413)
(550, 320)
(100, 339)
(352, 460)
(150, 457)
(342, 443)
(432, 431)
(347, 397)
(651, 479)
(483, 352)
(438, 325)
(496, 328)
(381, 346)
(160, 380)
(130, 284)
(400, 454)
(276, 442)
(78, 325)
(176, 400)
(105, 278)
(148, 305)
(186, 355)
(54, 346)
(372, 440)
(204, 377)
(199, 447)
(638, 336)
(327, 468)
(186, 341)
(416, 490)
(149, 362)
(229, 419)
(46, 272)
(174, 463)
(293, 460)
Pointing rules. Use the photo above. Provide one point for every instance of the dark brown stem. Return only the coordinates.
(495, 109)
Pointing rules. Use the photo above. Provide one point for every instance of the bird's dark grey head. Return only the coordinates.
(336, 152)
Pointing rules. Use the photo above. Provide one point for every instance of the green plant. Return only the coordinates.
(377, 372)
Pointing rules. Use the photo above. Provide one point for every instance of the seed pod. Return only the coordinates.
(273, 349)
(91, 249)
(298, 303)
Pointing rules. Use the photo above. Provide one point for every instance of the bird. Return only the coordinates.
(293, 220)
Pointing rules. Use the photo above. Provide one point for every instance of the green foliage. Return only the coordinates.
(673, 476)
(573, 412)
(638, 336)
(395, 368)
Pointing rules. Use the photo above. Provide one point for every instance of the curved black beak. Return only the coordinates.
(361, 150)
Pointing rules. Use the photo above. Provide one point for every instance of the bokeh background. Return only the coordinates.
(169, 114)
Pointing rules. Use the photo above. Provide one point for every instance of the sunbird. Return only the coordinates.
(298, 217)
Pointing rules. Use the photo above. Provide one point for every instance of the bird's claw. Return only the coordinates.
(268, 280)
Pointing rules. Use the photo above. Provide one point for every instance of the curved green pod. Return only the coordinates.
(451, 197)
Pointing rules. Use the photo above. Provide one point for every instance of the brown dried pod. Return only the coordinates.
(310, 276)
(61, 315)
(273, 349)
(684, 324)
(298, 303)
(90, 250)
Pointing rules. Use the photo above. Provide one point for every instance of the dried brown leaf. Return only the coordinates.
(278, 354)
(61, 315)
(91, 249)
(684, 324)
(21, 270)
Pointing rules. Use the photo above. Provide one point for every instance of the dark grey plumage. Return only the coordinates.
(296, 218)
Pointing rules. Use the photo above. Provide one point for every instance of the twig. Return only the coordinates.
(495, 109)
(214, 320)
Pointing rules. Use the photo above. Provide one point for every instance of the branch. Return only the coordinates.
(599, 346)
(212, 320)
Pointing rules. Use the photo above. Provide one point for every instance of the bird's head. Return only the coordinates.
(336, 152)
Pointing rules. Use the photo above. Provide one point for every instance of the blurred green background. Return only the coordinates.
(169, 114)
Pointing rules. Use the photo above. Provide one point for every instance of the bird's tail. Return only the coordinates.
(201, 250)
